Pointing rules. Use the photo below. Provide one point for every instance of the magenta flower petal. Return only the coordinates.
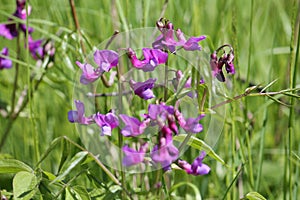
(133, 157)
(143, 89)
(161, 111)
(165, 153)
(36, 48)
(152, 58)
(192, 124)
(192, 43)
(106, 122)
(197, 167)
(89, 74)
(77, 116)
(9, 31)
(133, 127)
(106, 59)
(5, 63)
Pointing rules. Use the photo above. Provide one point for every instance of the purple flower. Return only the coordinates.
(166, 39)
(143, 89)
(133, 157)
(4, 62)
(106, 59)
(216, 67)
(133, 127)
(106, 122)
(197, 167)
(159, 111)
(89, 73)
(165, 152)
(152, 58)
(191, 44)
(10, 30)
(191, 125)
(77, 116)
(217, 64)
(36, 48)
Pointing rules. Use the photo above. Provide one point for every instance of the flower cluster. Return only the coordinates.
(218, 63)
(168, 120)
(12, 29)
(37, 48)
(167, 41)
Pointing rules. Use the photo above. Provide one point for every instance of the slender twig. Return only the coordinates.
(247, 93)
(101, 165)
(77, 26)
(164, 8)
(15, 86)
(112, 38)
(112, 94)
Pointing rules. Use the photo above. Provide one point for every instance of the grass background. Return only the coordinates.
(261, 34)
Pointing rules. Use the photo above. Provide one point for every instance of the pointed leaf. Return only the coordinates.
(13, 166)
(81, 192)
(200, 145)
(194, 187)
(70, 165)
(24, 185)
(254, 196)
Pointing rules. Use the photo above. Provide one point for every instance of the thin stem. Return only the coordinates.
(112, 38)
(77, 26)
(247, 93)
(185, 141)
(112, 94)
(166, 80)
(120, 136)
(250, 44)
(261, 150)
(95, 158)
(164, 8)
(292, 84)
(15, 86)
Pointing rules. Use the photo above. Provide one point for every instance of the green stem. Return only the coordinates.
(185, 141)
(261, 150)
(292, 84)
(15, 86)
(250, 168)
(120, 136)
(166, 80)
(250, 44)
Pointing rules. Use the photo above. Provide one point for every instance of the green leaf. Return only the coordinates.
(24, 185)
(49, 175)
(200, 145)
(69, 195)
(81, 193)
(194, 187)
(254, 196)
(13, 166)
(71, 165)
